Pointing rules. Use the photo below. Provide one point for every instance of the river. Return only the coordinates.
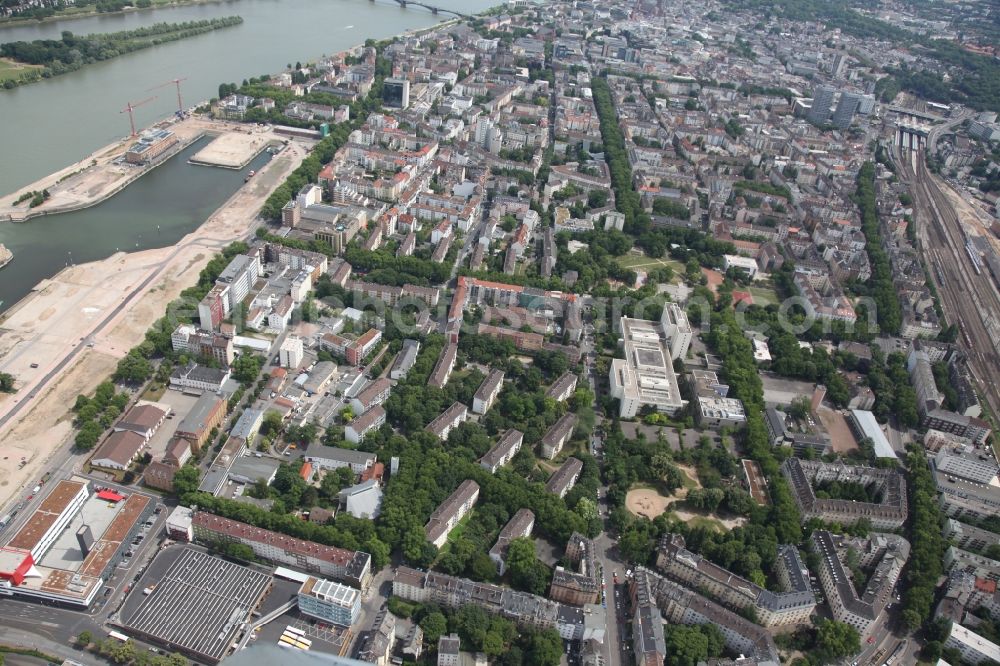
(51, 124)
(146, 214)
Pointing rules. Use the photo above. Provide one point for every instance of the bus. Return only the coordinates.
(295, 632)
(118, 636)
(286, 641)
(292, 642)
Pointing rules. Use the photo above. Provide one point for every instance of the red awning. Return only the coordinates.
(110, 496)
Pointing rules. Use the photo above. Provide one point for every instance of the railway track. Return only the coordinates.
(967, 297)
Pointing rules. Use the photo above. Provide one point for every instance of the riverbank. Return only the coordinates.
(90, 11)
(104, 173)
(48, 58)
(78, 324)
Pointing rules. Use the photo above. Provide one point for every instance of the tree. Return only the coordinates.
(84, 639)
(246, 368)
(186, 480)
(686, 646)
(471, 623)
(88, 435)
(238, 551)
(272, 423)
(526, 572)
(546, 648)
(133, 369)
(434, 625)
(835, 640)
(6, 382)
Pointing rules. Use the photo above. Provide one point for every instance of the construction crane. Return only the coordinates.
(177, 83)
(130, 107)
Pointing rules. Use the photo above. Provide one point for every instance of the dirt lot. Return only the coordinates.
(840, 433)
(111, 303)
(715, 278)
(646, 502)
(231, 150)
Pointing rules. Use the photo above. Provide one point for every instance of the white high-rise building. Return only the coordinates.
(290, 353)
(677, 330)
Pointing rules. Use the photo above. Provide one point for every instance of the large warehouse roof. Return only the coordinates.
(200, 604)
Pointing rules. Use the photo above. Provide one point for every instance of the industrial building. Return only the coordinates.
(67, 548)
(864, 426)
(199, 606)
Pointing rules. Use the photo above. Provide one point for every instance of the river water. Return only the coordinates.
(146, 214)
(51, 124)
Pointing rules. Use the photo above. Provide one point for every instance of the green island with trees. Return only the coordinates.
(52, 57)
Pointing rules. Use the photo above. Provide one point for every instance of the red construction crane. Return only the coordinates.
(176, 82)
(130, 107)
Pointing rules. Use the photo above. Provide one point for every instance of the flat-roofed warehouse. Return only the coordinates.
(68, 547)
(199, 605)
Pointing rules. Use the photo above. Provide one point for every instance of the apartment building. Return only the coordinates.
(563, 387)
(487, 392)
(405, 359)
(372, 395)
(448, 420)
(450, 511)
(580, 585)
(369, 421)
(889, 514)
(557, 436)
(503, 451)
(526, 610)
(793, 605)
(564, 478)
(679, 605)
(444, 365)
(352, 567)
(519, 526)
(861, 611)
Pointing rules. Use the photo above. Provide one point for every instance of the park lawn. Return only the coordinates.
(707, 523)
(12, 70)
(634, 262)
(764, 296)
